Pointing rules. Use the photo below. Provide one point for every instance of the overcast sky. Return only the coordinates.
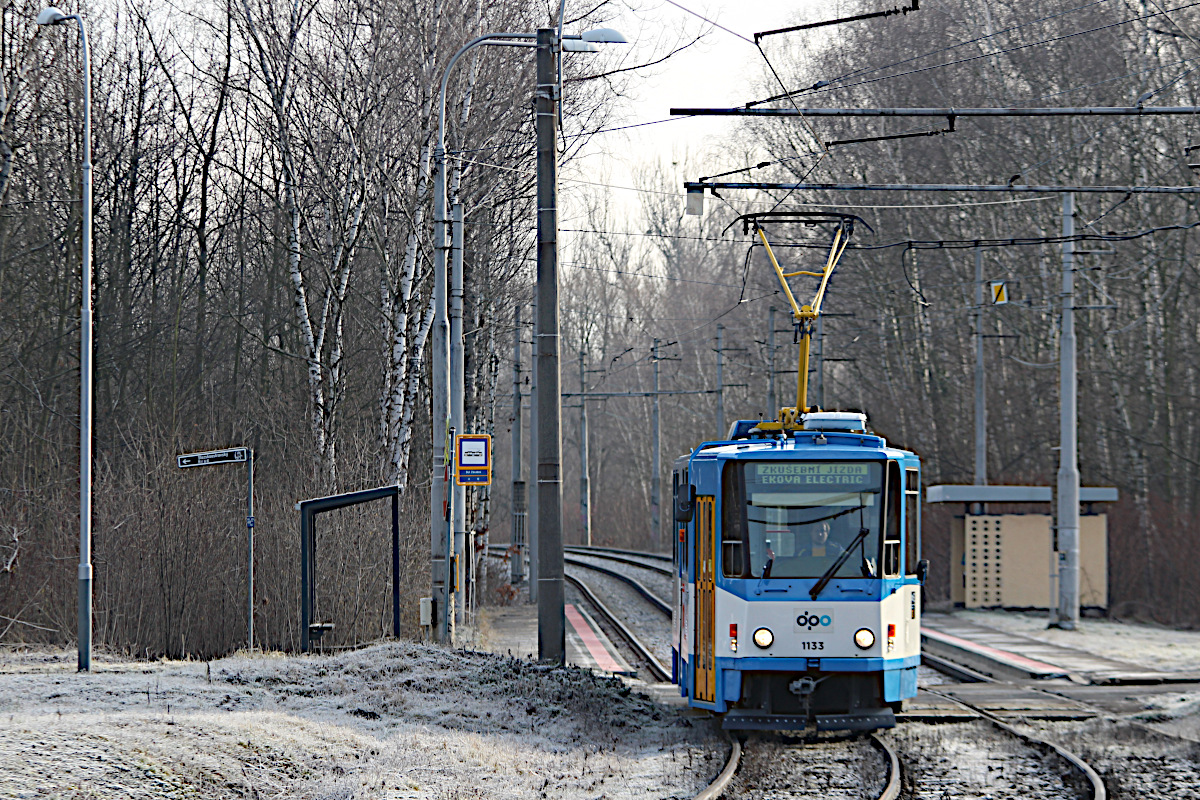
(718, 71)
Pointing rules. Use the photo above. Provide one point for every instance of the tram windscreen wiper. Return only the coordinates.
(829, 573)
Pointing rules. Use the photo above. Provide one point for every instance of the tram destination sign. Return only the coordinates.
(232, 455)
(826, 474)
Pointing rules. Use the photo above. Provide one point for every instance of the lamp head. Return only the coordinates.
(577, 46)
(603, 36)
(50, 16)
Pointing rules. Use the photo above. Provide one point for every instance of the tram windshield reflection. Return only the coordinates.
(799, 517)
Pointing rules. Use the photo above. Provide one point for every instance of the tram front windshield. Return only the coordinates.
(799, 518)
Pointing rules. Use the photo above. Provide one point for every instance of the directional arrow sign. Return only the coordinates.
(234, 455)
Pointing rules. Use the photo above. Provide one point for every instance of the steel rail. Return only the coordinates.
(715, 789)
(891, 789)
(620, 559)
(968, 675)
(1097, 785)
(643, 652)
(955, 670)
(642, 553)
(637, 585)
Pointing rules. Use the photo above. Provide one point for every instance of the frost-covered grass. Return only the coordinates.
(392, 720)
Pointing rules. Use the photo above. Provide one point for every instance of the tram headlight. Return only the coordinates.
(864, 638)
(764, 638)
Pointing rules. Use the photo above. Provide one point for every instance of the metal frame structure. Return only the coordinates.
(948, 112)
(697, 187)
(308, 557)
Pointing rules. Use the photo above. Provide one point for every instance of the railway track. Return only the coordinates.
(986, 756)
(650, 561)
(1028, 768)
(641, 651)
(779, 768)
(639, 587)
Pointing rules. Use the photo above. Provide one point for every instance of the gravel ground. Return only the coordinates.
(833, 769)
(1134, 763)
(395, 720)
(976, 761)
(926, 676)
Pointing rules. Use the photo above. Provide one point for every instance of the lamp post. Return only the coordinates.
(52, 16)
(448, 381)
(441, 545)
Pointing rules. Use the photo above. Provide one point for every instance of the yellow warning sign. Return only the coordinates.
(999, 293)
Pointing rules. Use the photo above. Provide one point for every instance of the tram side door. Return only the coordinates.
(706, 590)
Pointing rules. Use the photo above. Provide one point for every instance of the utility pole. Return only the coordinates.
(440, 358)
(517, 563)
(250, 549)
(720, 381)
(531, 486)
(980, 395)
(772, 407)
(457, 384)
(656, 457)
(1068, 465)
(585, 492)
(551, 620)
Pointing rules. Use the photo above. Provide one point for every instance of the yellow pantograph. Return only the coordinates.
(804, 317)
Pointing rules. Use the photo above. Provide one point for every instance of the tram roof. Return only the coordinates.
(822, 445)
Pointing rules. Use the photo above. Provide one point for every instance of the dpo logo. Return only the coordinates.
(810, 620)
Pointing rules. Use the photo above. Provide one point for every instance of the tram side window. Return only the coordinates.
(675, 504)
(891, 530)
(912, 519)
(734, 556)
(680, 483)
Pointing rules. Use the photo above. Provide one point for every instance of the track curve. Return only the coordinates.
(660, 671)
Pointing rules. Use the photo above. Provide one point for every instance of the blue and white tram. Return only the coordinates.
(798, 556)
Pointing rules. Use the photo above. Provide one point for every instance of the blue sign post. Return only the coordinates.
(235, 455)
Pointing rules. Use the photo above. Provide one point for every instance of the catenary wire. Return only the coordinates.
(911, 59)
(824, 88)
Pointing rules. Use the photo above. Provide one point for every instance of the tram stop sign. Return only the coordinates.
(473, 459)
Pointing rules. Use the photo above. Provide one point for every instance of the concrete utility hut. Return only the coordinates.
(1010, 560)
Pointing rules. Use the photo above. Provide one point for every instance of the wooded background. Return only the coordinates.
(902, 336)
(262, 260)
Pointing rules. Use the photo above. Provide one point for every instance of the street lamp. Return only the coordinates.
(52, 16)
(448, 379)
